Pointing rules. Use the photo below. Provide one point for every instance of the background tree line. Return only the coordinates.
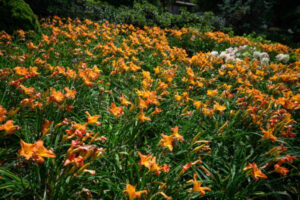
(277, 20)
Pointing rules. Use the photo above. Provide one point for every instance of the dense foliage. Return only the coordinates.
(139, 14)
(278, 19)
(106, 111)
(16, 14)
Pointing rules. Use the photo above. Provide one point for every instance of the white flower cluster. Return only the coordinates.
(233, 55)
(283, 58)
(262, 56)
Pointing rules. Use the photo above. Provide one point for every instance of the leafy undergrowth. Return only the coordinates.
(104, 111)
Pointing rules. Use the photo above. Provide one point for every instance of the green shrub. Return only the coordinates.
(118, 3)
(16, 14)
(277, 19)
(142, 13)
(146, 14)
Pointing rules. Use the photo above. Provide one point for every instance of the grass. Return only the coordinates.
(230, 113)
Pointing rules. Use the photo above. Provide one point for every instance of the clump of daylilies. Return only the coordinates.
(79, 152)
(149, 162)
(8, 127)
(255, 171)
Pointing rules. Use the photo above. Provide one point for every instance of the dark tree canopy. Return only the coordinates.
(16, 14)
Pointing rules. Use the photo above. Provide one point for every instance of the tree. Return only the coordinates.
(17, 14)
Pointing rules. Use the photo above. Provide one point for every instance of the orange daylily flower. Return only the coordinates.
(70, 73)
(37, 151)
(132, 193)
(268, 134)
(124, 101)
(30, 45)
(70, 94)
(21, 71)
(221, 72)
(142, 104)
(154, 167)
(59, 70)
(149, 162)
(9, 127)
(145, 160)
(281, 170)
(177, 97)
(185, 97)
(197, 186)
(21, 34)
(156, 70)
(28, 91)
(93, 119)
(77, 129)
(34, 70)
(287, 159)
(219, 107)
(156, 111)
(162, 86)
(199, 84)
(39, 61)
(56, 96)
(116, 111)
(152, 98)
(167, 141)
(176, 134)
(72, 159)
(26, 150)
(2, 113)
(186, 167)
(143, 117)
(212, 93)
(207, 111)
(189, 164)
(255, 171)
(46, 39)
(198, 104)
(88, 53)
(42, 151)
(165, 168)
